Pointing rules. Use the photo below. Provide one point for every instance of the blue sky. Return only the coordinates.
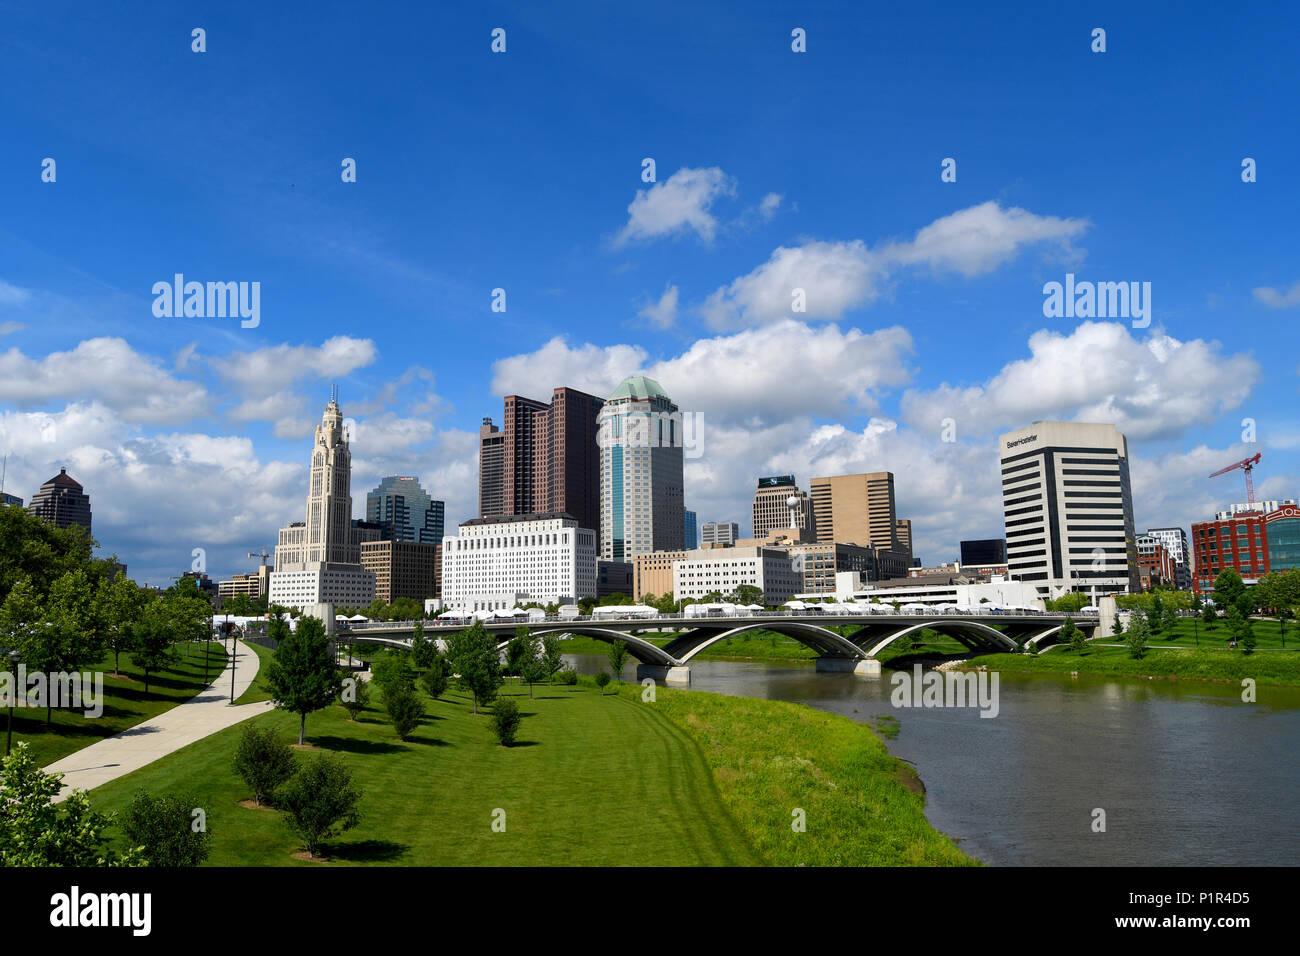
(522, 170)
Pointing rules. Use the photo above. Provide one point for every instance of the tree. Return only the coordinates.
(505, 720)
(320, 801)
(617, 658)
(393, 666)
(1137, 636)
(164, 828)
(36, 831)
(473, 655)
(533, 667)
(263, 761)
(423, 650)
(1155, 615)
(1247, 636)
(303, 675)
(748, 594)
(1209, 616)
(1068, 603)
(1072, 635)
(355, 696)
(1228, 587)
(517, 651)
(552, 655)
(404, 707)
(119, 602)
(602, 681)
(237, 605)
(436, 677)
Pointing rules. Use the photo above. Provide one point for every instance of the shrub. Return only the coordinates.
(505, 720)
(435, 679)
(355, 695)
(566, 676)
(390, 668)
(264, 761)
(164, 827)
(602, 681)
(404, 707)
(320, 801)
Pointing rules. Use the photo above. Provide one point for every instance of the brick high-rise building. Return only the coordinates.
(62, 502)
(548, 459)
(856, 509)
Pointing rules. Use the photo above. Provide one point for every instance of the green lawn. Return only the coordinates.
(595, 781)
(125, 702)
(1187, 633)
(1207, 663)
(259, 690)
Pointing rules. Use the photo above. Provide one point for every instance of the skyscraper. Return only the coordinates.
(641, 472)
(1068, 508)
(720, 532)
(549, 461)
(318, 561)
(903, 535)
(491, 470)
(404, 511)
(62, 502)
(692, 529)
(856, 509)
(772, 511)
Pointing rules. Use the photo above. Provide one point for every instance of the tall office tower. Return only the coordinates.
(318, 561)
(903, 534)
(772, 510)
(549, 459)
(1068, 507)
(983, 552)
(719, 532)
(491, 470)
(1175, 542)
(856, 509)
(62, 502)
(405, 513)
(692, 529)
(641, 475)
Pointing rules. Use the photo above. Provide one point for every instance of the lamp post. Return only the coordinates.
(13, 694)
(232, 658)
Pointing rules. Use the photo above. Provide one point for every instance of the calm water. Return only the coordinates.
(1186, 773)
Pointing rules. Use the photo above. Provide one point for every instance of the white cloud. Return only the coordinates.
(103, 369)
(662, 314)
(12, 294)
(839, 276)
(1278, 300)
(337, 357)
(1100, 372)
(9, 328)
(679, 204)
(588, 368)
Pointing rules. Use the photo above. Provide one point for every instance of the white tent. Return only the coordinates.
(358, 617)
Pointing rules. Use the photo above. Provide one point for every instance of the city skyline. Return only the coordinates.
(925, 316)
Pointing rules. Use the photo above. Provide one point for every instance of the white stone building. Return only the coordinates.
(706, 570)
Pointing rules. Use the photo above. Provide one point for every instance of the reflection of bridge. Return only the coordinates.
(855, 651)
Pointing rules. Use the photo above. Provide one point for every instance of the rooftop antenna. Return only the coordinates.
(334, 394)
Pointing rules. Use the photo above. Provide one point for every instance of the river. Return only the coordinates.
(1186, 773)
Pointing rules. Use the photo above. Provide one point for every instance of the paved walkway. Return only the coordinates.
(199, 717)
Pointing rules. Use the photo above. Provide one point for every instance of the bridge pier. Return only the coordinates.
(669, 674)
(865, 666)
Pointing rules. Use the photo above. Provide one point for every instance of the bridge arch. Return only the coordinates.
(638, 647)
(825, 642)
(959, 629)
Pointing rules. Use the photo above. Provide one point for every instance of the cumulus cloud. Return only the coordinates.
(662, 314)
(1278, 300)
(12, 294)
(679, 204)
(838, 276)
(589, 368)
(107, 370)
(1149, 388)
(338, 356)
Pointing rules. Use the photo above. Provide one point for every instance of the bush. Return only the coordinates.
(435, 679)
(390, 668)
(505, 720)
(164, 827)
(566, 676)
(602, 681)
(264, 761)
(404, 707)
(320, 801)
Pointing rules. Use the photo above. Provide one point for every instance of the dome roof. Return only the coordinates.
(638, 387)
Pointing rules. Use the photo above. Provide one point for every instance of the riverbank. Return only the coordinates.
(1204, 664)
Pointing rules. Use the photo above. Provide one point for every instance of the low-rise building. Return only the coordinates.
(254, 585)
(402, 569)
(723, 570)
(614, 577)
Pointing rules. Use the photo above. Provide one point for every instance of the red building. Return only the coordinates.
(1156, 565)
(1252, 542)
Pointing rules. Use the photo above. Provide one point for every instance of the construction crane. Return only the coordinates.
(263, 554)
(1246, 464)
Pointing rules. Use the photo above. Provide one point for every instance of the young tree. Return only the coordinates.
(320, 801)
(1209, 616)
(552, 655)
(535, 668)
(151, 648)
(393, 666)
(303, 675)
(1155, 615)
(505, 720)
(1072, 636)
(617, 658)
(36, 831)
(1137, 636)
(517, 651)
(473, 655)
(1247, 636)
(164, 828)
(120, 602)
(423, 650)
(405, 709)
(435, 679)
(602, 681)
(354, 696)
(263, 761)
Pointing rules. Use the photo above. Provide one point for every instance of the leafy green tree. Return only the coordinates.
(602, 681)
(533, 669)
(151, 648)
(552, 655)
(119, 603)
(517, 651)
(473, 655)
(617, 658)
(1247, 636)
(1228, 587)
(1138, 633)
(393, 666)
(748, 594)
(505, 720)
(36, 831)
(404, 706)
(303, 675)
(166, 829)
(616, 599)
(354, 696)
(263, 761)
(436, 678)
(33, 548)
(423, 650)
(1071, 635)
(320, 801)
(1068, 603)
(1209, 616)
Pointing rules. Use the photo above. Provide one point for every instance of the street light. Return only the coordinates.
(14, 657)
(232, 658)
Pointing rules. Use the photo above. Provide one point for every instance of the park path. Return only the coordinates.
(200, 716)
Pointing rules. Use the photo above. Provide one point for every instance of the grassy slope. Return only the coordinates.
(595, 782)
(258, 690)
(1186, 664)
(125, 703)
(770, 757)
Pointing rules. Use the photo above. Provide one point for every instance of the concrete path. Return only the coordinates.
(199, 717)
